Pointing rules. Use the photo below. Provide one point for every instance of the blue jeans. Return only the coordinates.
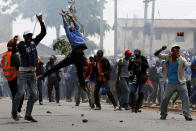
(137, 95)
(193, 95)
(124, 97)
(162, 87)
(181, 89)
(29, 79)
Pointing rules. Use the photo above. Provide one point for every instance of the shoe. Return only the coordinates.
(163, 117)
(93, 106)
(120, 108)
(57, 102)
(127, 108)
(77, 104)
(40, 103)
(188, 117)
(30, 118)
(133, 109)
(20, 115)
(98, 108)
(115, 108)
(15, 116)
(85, 101)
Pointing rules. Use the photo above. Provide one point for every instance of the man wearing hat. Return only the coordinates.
(10, 63)
(26, 76)
(123, 75)
(174, 68)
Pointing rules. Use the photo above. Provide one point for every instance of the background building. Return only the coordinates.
(131, 34)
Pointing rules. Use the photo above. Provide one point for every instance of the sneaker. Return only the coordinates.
(188, 117)
(30, 118)
(120, 108)
(163, 117)
(20, 115)
(15, 116)
(85, 101)
(133, 109)
(127, 108)
(98, 108)
(40, 103)
(93, 106)
(115, 108)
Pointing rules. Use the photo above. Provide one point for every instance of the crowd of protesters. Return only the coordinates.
(128, 81)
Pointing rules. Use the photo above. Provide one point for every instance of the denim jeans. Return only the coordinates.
(162, 87)
(125, 90)
(155, 85)
(29, 79)
(181, 89)
(40, 90)
(53, 82)
(137, 95)
(13, 88)
(193, 95)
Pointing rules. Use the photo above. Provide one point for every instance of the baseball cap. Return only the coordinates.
(27, 32)
(175, 46)
(128, 52)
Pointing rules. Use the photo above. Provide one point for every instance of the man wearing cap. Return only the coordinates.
(29, 62)
(10, 64)
(174, 68)
(123, 76)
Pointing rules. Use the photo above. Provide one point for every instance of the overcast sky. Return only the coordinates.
(165, 9)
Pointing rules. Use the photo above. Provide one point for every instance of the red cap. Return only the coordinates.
(128, 52)
(11, 43)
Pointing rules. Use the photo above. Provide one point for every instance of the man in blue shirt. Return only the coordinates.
(174, 68)
(78, 45)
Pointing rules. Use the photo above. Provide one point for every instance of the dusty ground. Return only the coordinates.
(66, 117)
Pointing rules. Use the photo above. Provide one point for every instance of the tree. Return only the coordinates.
(87, 13)
(62, 46)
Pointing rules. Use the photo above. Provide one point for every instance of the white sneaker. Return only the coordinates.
(20, 115)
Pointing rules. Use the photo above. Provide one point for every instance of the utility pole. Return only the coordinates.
(145, 18)
(101, 24)
(115, 28)
(152, 27)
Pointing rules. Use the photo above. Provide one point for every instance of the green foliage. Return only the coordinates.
(62, 46)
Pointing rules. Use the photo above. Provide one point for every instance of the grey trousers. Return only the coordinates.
(183, 93)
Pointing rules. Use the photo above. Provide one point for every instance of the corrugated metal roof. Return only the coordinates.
(158, 23)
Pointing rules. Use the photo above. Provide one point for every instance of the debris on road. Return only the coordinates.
(49, 112)
(84, 120)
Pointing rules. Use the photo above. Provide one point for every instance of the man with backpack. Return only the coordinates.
(123, 76)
